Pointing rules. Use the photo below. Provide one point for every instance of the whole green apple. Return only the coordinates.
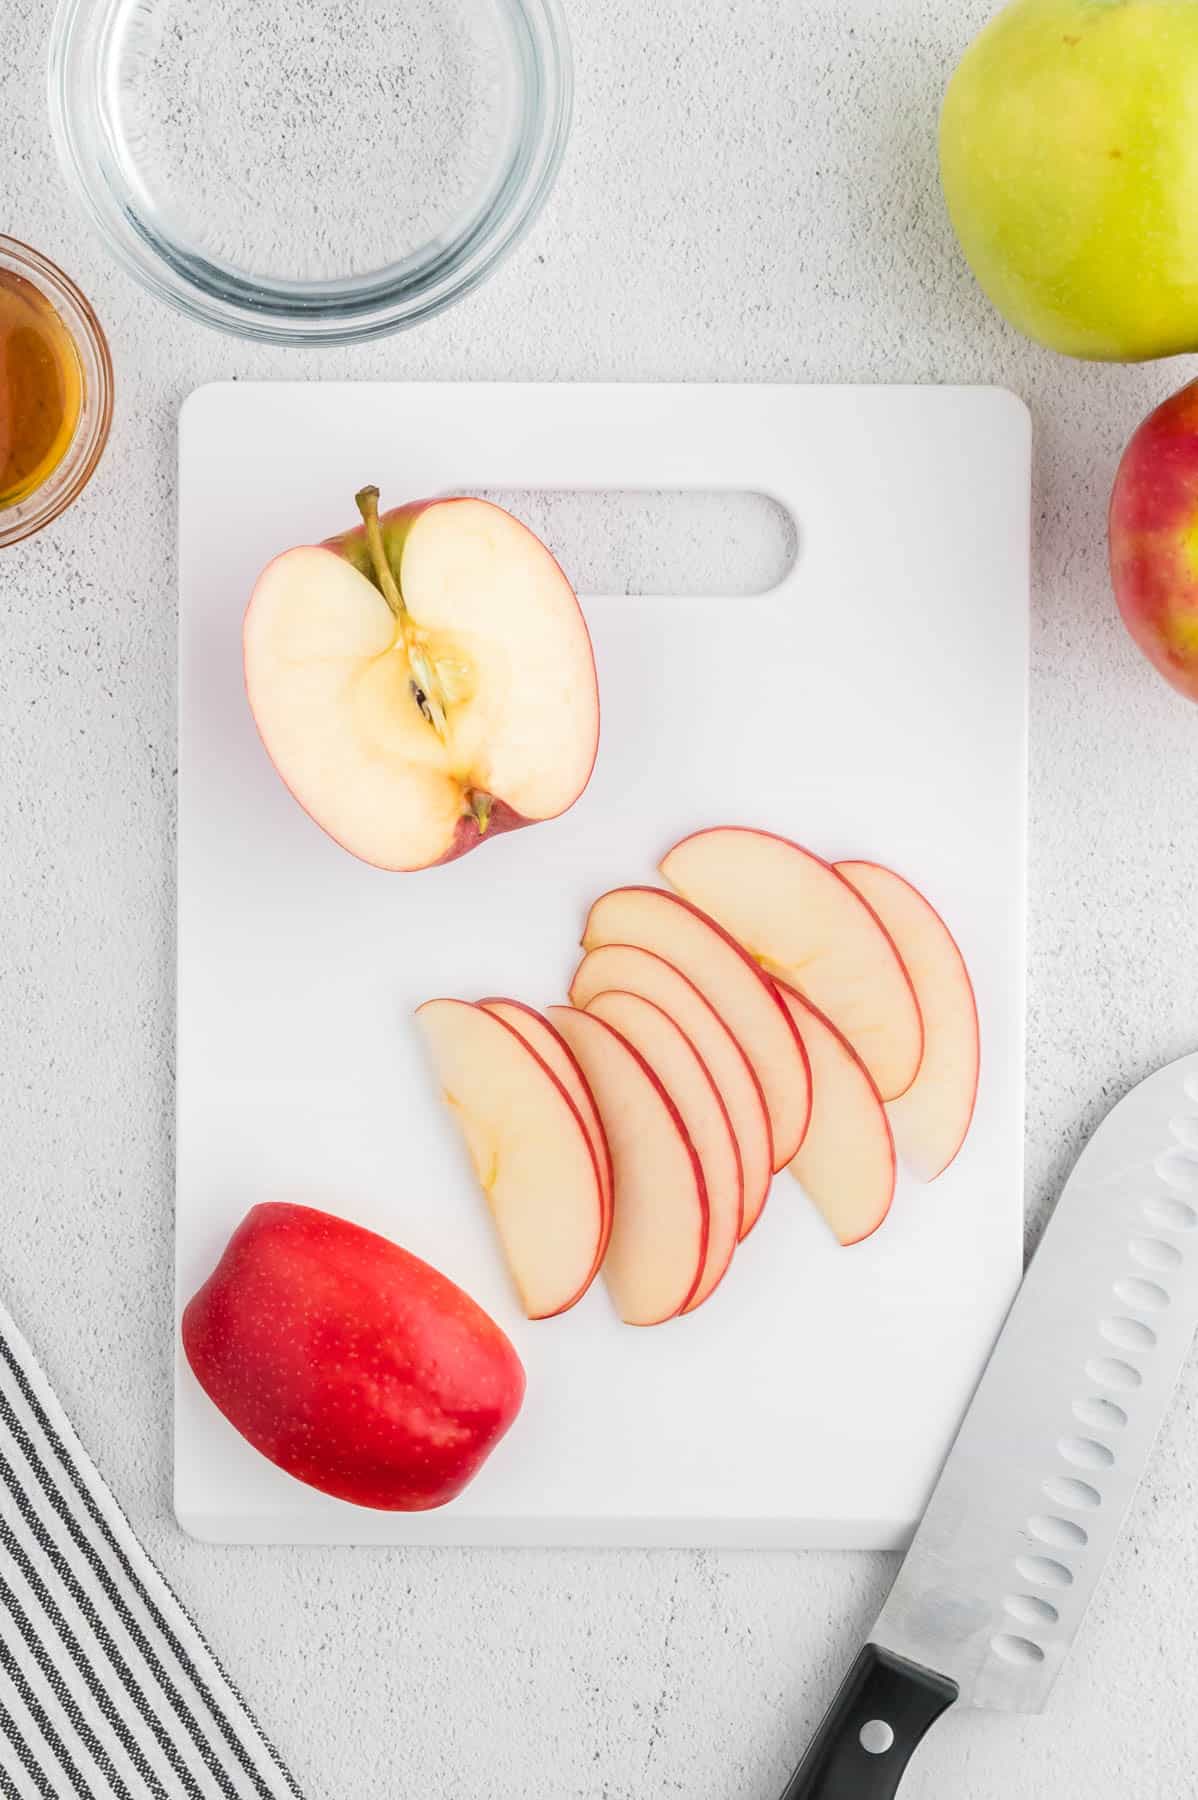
(1154, 539)
(1069, 158)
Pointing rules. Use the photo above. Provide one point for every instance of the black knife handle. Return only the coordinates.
(892, 1697)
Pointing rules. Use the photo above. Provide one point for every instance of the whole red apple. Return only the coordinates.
(1154, 539)
(349, 1362)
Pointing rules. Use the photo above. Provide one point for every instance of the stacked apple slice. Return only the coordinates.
(774, 1010)
(860, 943)
(547, 1177)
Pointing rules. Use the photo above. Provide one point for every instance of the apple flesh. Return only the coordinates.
(628, 968)
(742, 995)
(846, 1166)
(530, 1152)
(658, 1246)
(1154, 539)
(800, 920)
(687, 1080)
(423, 681)
(930, 1121)
(1066, 155)
(349, 1363)
(557, 1055)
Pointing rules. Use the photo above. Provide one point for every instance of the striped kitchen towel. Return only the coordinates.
(106, 1686)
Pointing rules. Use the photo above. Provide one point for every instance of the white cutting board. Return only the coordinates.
(883, 715)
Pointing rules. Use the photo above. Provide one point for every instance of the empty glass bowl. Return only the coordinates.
(310, 171)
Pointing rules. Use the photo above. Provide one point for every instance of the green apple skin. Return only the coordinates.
(1069, 160)
(1154, 539)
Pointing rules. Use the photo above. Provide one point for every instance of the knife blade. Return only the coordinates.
(1045, 1465)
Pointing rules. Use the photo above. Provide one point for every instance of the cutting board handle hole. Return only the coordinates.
(680, 542)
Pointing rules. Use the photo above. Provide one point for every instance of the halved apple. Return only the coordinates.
(658, 1247)
(687, 1080)
(637, 971)
(741, 994)
(530, 1152)
(846, 1165)
(423, 681)
(804, 923)
(932, 1118)
(553, 1050)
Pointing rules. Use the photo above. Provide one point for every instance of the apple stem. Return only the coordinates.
(367, 502)
(480, 808)
(426, 687)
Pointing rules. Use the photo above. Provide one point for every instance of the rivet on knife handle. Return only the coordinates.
(871, 1730)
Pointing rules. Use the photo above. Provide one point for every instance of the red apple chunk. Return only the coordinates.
(351, 1364)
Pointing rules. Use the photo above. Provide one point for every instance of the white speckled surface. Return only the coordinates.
(750, 193)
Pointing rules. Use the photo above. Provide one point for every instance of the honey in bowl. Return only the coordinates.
(41, 388)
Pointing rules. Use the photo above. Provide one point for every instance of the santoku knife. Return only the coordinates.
(1030, 1501)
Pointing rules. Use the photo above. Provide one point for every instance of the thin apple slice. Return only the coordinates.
(554, 1051)
(804, 923)
(529, 1148)
(931, 1120)
(744, 997)
(846, 1165)
(687, 1080)
(635, 971)
(658, 1247)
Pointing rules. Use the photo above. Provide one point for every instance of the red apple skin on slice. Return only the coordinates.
(553, 1049)
(846, 1166)
(529, 1148)
(687, 1080)
(342, 640)
(742, 994)
(804, 923)
(658, 1247)
(628, 968)
(931, 1120)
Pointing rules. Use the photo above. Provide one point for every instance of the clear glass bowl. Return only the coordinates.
(310, 171)
(71, 474)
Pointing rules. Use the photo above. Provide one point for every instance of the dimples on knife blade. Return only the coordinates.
(1035, 1489)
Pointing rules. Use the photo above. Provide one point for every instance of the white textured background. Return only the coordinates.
(750, 193)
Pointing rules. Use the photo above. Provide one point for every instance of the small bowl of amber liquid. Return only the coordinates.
(55, 391)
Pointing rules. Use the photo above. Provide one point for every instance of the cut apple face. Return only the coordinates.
(745, 998)
(931, 1120)
(530, 1152)
(846, 1164)
(556, 1054)
(686, 1079)
(627, 967)
(423, 682)
(804, 923)
(658, 1247)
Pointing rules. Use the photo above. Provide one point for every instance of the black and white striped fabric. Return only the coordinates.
(106, 1686)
